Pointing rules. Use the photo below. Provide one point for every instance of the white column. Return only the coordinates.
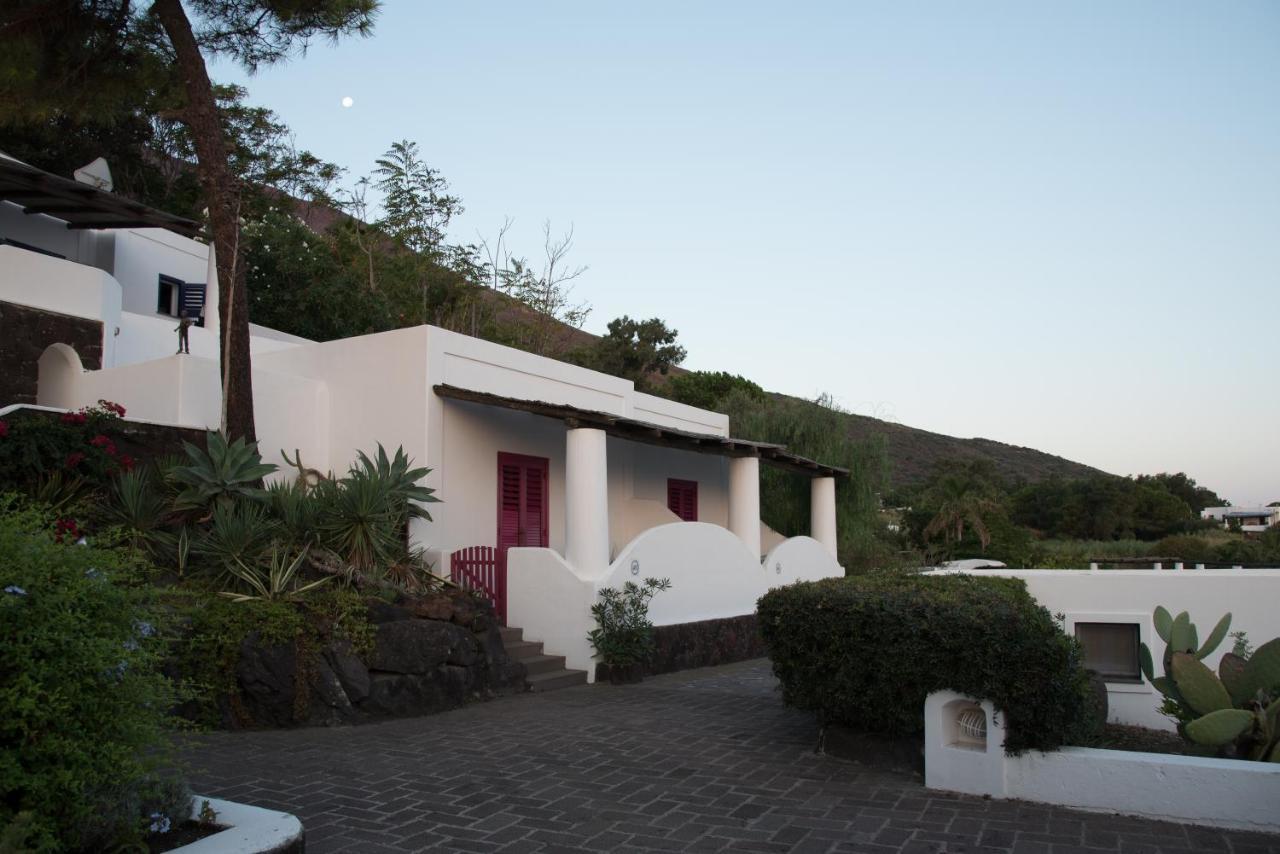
(586, 500)
(744, 500)
(822, 511)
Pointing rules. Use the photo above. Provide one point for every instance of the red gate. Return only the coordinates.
(484, 569)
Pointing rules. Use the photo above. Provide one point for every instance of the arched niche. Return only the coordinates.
(59, 372)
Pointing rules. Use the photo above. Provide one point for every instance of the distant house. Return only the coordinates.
(556, 480)
(1251, 520)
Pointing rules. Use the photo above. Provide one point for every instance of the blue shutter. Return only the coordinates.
(191, 300)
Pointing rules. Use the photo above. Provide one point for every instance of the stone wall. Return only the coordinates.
(26, 332)
(705, 644)
(429, 655)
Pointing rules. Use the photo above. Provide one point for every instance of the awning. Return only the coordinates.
(80, 205)
(650, 434)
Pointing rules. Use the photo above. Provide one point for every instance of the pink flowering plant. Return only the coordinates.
(63, 456)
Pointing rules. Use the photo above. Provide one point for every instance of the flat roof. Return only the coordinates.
(648, 433)
(80, 205)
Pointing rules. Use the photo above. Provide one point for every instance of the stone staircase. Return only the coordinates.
(545, 672)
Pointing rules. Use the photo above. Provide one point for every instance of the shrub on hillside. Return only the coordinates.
(1185, 547)
(83, 704)
(867, 651)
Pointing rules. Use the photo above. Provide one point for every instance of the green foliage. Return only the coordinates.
(83, 703)
(634, 350)
(817, 429)
(141, 510)
(708, 389)
(623, 635)
(867, 651)
(239, 532)
(416, 205)
(64, 459)
(225, 471)
(1102, 507)
(207, 649)
(1185, 488)
(275, 583)
(1236, 710)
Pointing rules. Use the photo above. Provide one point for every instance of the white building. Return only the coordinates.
(561, 479)
(1251, 520)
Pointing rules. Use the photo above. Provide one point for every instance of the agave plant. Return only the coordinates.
(276, 583)
(224, 472)
(399, 479)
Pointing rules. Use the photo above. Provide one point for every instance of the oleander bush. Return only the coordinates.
(866, 651)
(83, 704)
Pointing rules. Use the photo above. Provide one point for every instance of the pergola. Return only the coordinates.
(586, 472)
(80, 205)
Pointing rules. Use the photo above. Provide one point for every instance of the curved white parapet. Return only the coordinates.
(250, 830)
(713, 575)
(1232, 793)
(800, 559)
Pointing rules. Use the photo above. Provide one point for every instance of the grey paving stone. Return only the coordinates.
(705, 760)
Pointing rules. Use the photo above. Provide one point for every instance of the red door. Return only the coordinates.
(522, 502)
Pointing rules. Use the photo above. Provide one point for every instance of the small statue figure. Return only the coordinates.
(184, 324)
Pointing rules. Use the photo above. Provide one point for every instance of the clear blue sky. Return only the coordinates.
(1050, 224)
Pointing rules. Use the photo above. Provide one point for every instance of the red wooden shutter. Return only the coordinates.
(682, 499)
(535, 506)
(508, 506)
(522, 501)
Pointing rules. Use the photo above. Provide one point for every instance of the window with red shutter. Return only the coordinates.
(682, 499)
(522, 501)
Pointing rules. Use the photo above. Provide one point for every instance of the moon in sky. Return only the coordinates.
(348, 101)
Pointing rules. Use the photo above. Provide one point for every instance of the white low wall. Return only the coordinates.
(53, 284)
(1220, 792)
(713, 575)
(1131, 596)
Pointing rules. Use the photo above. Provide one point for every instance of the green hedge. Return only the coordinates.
(82, 701)
(866, 651)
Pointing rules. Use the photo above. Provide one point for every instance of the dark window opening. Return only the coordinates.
(682, 499)
(1111, 649)
(175, 297)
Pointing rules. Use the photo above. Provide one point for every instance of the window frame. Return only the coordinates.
(1145, 634)
(689, 486)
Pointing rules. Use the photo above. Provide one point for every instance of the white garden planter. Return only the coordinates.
(1196, 790)
(249, 830)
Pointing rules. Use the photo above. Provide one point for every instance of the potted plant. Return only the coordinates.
(623, 637)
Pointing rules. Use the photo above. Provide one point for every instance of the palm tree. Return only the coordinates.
(963, 497)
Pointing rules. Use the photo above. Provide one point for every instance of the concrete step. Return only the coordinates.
(520, 650)
(543, 663)
(511, 635)
(539, 682)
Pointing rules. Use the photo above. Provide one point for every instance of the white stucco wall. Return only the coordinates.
(1130, 596)
(52, 284)
(143, 254)
(712, 572)
(1192, 789)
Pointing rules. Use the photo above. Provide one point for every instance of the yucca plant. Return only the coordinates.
(276, 583)
(226, 471)
(357, 521)
(238, 532)
(141, 511)
(297, 511)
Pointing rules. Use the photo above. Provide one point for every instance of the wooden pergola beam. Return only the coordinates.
(649, 434)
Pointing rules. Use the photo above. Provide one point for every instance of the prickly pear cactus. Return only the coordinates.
(1236, 710)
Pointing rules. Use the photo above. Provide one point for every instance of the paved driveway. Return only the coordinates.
(705, 760)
